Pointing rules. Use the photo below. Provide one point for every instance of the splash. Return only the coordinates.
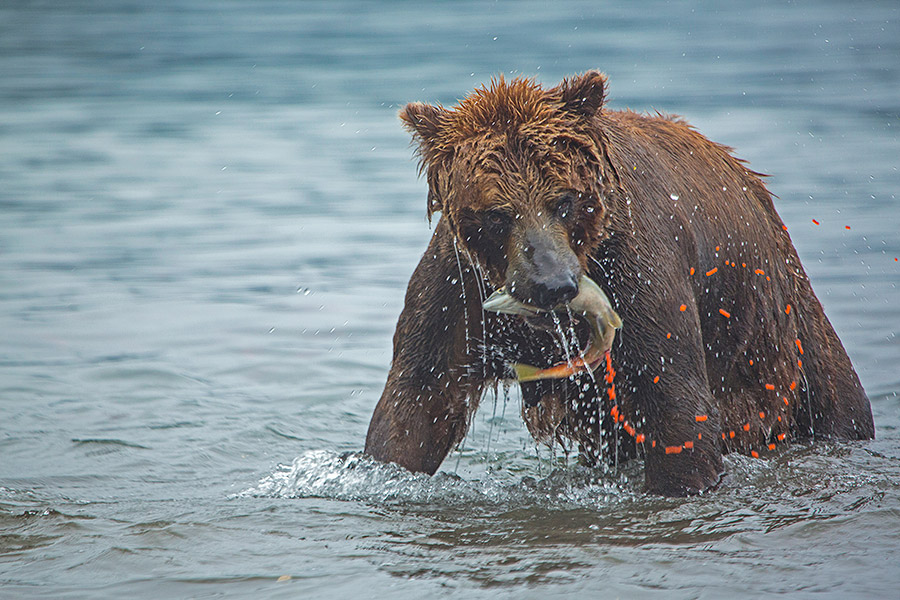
(353, 476)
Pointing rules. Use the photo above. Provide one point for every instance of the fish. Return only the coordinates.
(591, 303)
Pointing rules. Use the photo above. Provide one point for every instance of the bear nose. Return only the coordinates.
(550, 294)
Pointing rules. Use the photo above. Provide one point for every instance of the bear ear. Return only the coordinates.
(424, 122)
(583, 94)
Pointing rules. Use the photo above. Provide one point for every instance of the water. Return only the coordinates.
(208, 216)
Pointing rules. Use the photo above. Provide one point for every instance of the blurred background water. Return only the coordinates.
(208, 216)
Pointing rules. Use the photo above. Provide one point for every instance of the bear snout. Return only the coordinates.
(545, 271)
(552, 292)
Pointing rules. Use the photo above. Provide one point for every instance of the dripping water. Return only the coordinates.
(598, 394)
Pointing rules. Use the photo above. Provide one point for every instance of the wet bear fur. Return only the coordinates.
(724, 347)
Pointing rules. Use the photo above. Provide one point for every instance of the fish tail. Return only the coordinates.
(526, 372)
(558, 371)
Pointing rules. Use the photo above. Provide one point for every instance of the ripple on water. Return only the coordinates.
(805, 485)
(27, 522)
(504, 529)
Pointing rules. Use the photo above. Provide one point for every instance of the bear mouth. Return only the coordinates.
(552, 321)
(590, 303)
(558, 319)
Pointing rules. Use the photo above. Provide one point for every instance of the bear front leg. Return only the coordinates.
(432, 387)
(416, 423)
(666, 397)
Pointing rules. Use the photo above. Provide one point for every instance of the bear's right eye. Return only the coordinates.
(564, 207)
(497, 222)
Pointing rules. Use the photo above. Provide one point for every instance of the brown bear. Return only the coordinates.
(724, 346)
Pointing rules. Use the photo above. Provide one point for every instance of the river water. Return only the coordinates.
(208, 216)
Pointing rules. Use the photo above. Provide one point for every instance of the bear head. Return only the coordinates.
(521, 174)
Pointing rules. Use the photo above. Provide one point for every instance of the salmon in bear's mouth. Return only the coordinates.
(590, 303)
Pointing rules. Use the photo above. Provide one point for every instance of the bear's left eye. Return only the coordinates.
(564, 207)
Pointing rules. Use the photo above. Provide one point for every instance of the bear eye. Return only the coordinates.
(497, 221)
(564, 207)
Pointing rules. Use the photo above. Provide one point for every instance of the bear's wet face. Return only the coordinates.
(532, 252)
(515, 171)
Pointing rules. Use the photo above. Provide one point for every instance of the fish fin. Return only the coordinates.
(615, 320)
